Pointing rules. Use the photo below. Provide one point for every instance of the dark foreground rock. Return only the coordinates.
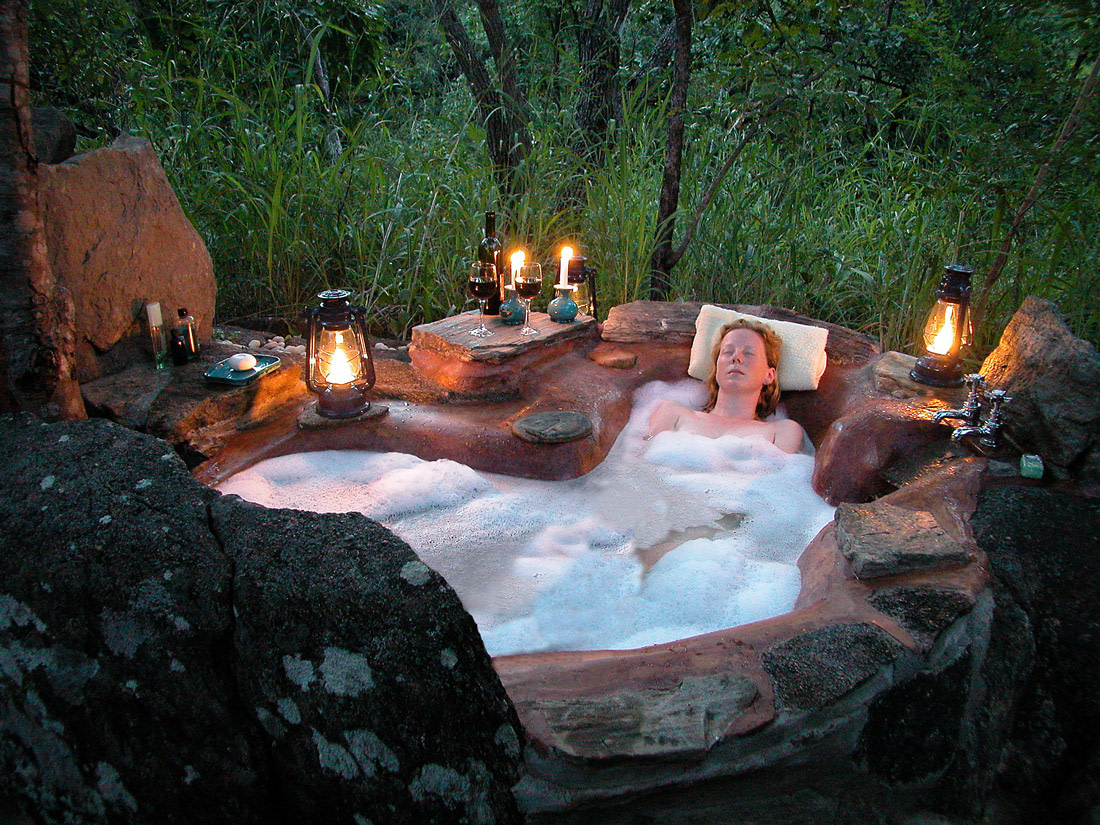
(1042, 547)
(170, 656)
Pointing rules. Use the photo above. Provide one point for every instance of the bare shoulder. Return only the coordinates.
(788, 435)
(667, 414)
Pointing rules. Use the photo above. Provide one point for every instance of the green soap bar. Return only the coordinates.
(1031, 466)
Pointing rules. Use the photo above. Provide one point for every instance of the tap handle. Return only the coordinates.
(974, 380)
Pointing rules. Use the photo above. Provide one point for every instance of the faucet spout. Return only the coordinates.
(962, 432)
(972, 409)
(943, 415)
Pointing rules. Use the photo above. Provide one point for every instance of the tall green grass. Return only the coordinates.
(854, 232)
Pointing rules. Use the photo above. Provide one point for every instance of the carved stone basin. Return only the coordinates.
(893, 592)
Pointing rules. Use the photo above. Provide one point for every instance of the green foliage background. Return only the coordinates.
(912, 149)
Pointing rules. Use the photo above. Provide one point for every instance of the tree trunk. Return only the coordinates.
(661, 262)
(36, 315)
(506, 132)
(600, 98)
(334, 146)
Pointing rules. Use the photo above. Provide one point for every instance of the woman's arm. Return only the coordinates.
(788, 435)
(666, 415)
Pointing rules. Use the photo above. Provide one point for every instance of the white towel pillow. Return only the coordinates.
(801, 358)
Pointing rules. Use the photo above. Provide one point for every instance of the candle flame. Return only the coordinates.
(563, 272)
(518, 257)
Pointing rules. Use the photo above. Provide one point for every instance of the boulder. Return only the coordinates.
(1053, 379)
(54, 135)
(117, 238)
(167, 654)
(1044, 661)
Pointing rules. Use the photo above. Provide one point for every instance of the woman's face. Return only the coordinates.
(742, 361)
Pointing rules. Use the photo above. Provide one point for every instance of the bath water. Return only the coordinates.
(668, 538)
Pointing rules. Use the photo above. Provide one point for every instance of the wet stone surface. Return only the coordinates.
(884, 540)
(689, 716)
(552, 427)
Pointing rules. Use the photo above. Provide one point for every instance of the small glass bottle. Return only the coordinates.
(189, 331)
(156, 334)
(177, 348)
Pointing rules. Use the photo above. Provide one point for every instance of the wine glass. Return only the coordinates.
(483, 283)
(528, 285)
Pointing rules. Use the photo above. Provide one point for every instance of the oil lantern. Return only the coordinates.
(339, 366)
(947, 331)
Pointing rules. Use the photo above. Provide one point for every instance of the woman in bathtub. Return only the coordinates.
(743, 391)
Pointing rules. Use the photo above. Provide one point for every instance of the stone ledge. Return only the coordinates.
(689, 716)
(884, 540)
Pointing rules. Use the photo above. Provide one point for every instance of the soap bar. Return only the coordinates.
(1031, 466)
(242, 361)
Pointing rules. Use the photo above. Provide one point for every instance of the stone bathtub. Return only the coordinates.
(866, 691)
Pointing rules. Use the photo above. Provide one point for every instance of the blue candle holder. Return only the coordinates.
(563, 309)
(512, 311)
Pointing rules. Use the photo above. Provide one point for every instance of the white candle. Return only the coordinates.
(566, 254)
(152, 311)
(518, 257)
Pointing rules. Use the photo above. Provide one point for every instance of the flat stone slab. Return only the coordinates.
(819, 666)
(552, 427)
(127, 396)
(451, 336)
(613, 358)
(883, 540)
(310, 419)
(891, 375)
(687, 717)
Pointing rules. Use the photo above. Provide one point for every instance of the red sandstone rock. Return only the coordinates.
(613, 358)
(117, 238)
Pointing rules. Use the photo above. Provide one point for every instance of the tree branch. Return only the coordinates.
(1070, 125)
(757, 124)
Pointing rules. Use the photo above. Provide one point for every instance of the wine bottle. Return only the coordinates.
(491, 251)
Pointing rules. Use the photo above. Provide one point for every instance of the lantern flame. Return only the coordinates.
(945, 336)
(340, 370)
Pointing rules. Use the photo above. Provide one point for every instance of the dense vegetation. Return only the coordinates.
(337, 143)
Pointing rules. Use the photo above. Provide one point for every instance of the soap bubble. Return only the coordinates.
(668, 538)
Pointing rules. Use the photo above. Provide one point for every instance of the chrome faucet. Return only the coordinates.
(970, 411)
(991, 427)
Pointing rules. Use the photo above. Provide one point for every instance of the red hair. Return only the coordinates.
(769, 393)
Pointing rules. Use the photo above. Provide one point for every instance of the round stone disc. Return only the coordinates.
(552, 427)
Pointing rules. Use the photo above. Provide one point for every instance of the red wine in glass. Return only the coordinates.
(482, 283)
(528, 285)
